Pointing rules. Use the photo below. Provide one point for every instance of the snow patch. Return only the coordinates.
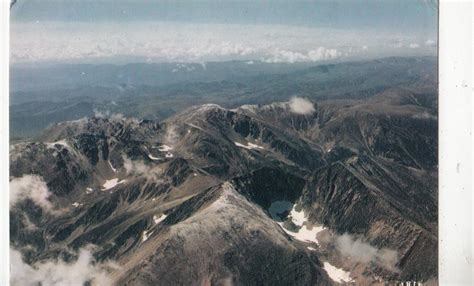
(158, 219)
(60, 142)
(153, 157)
(247, 107)
(336, 274)
(249, 146)
(109, 184)
(304, 233)
(146, 234)
(89, 190)
(165, 148)
(112, 167)
(169, 155)
(311, 248)
(76, 204)
(209, 106)
(297, 217)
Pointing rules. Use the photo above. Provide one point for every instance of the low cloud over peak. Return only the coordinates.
(364, 252)
(301, 105)
(30, 187)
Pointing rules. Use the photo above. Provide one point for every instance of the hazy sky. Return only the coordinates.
(198, 31)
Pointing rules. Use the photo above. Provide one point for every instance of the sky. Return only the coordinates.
(199, 31)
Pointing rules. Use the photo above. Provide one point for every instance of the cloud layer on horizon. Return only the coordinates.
(180, 42)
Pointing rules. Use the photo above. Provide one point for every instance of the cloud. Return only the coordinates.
(322, 53)
(30, 187)
(171, 135)
(184, 67)
(366, 253)
(138, 167)
(101, 113)
(414, 46)
(198, 43)
(286, 56)
(301, 106)
(108, 114)
(117, 117)
(114, 116)
(58, 272)
(430, 43)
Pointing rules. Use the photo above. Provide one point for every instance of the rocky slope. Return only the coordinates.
(190, 200)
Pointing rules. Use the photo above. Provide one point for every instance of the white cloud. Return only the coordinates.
(364, 252)
(58, 272)
(114, 116)
(171, 135)
(184, 67)
(285, 56)
(30, 187)
(181, 42)
(135, 167)
(414, 46)
(101, 113)
(398, 45)
(301, 106)
(430, 43)
(117, 117)
(322, 53)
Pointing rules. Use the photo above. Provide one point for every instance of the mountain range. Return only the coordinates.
(45, 95)
(327, 187)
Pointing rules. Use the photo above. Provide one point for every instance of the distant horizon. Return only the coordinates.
(45, 64)
(205, 31)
